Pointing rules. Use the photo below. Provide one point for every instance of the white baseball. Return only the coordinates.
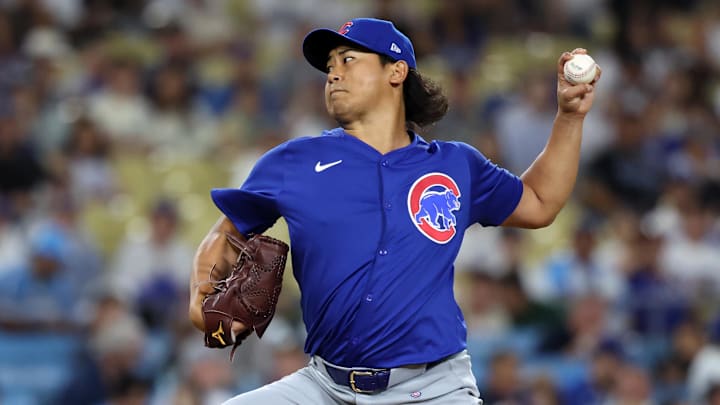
(580, 69)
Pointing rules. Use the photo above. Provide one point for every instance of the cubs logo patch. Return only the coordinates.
(432, 199)
(345, 28)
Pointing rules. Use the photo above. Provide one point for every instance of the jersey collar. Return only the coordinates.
(415, 142)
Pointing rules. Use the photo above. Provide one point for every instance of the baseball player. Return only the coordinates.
(376, 216)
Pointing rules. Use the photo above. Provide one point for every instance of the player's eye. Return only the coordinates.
(328, 68)
(348, 58)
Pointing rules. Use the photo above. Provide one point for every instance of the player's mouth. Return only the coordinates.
(335, 91)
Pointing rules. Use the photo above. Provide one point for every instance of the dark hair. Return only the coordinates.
(425, 101)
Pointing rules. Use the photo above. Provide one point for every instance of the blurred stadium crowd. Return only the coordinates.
(117, 117)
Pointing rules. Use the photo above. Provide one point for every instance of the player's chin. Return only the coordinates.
(340, 112)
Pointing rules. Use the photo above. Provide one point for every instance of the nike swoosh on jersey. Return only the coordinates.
(321, 167)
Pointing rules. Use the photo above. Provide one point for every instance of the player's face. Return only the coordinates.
(356, 82)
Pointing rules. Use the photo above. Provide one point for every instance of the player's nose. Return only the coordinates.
(335, 74)
(333, 77)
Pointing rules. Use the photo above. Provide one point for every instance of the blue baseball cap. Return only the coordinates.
(378, 36)
(49, 243)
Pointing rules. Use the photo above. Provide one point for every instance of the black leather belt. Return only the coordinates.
(366, 381)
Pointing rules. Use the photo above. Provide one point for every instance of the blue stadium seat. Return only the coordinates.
(33, 367)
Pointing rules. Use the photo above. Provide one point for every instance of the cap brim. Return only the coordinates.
(318, 44)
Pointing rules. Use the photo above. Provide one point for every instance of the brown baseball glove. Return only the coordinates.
(248, 295)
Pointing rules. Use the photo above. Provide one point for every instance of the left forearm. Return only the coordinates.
(552, 175)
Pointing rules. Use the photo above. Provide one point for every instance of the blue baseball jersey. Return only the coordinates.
(374, 238)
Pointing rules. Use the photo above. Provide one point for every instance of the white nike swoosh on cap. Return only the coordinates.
(320, 167)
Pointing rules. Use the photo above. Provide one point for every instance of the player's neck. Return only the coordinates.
(383, 131)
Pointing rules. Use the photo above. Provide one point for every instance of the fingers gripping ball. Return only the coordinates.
(581, 69)
(248, 295)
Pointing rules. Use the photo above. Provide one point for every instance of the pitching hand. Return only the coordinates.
(574, 99)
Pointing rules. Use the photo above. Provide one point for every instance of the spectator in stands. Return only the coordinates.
(713, 395)
(41, 296)
(79, 253)
(520, 126)
(176, 128)
(704, 373)
(13, 247)
(577, 271)
(15, 67)
(106, 371)
(465, 120)
(629, 174)
(525, 312)
(608, 358)
(120, 108)
(21, 169)
(678, 195)
(632, 386)
(453, 26)
(586, 328)
(689, 253)
(504, 382)
(544, 392)
(485, 314)
(671, 372)
(655, 303)
(698, 155)
(150, 271)
(204, 377)
(89, 170)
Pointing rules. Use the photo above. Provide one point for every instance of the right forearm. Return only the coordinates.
(213, 260)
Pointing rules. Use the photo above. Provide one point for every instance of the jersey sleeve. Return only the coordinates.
(253, 207)
(495, 192)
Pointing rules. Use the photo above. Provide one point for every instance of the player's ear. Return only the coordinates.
(398, 72)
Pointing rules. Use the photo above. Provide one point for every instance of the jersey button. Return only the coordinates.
(382, 252)
(369, 298)
(388, 205)
(385, 163)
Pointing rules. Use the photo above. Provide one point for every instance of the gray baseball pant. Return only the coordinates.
(449, 382)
